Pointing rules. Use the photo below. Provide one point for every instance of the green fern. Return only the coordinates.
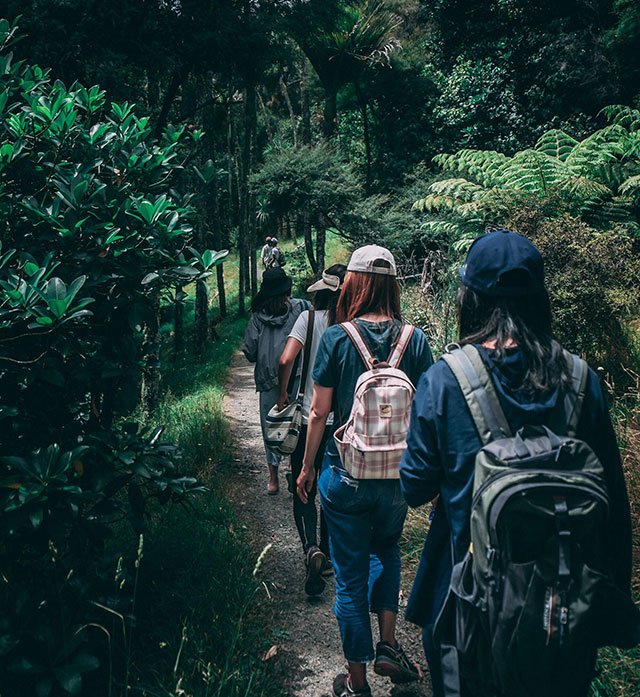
(597, 178)
(622, 115)
(556, 143)
(630, 187)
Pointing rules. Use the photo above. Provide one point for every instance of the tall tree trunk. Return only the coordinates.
(305, 130)
(151, 359)
(330, 115)
(305, 217)
(201, 319)
(217, 242)
(178, 322)
(321, 236)
(252, 222)
(267, 127)
(367, 141)
(292, 116)
(179, 74)
(308, 241)
(232, 192)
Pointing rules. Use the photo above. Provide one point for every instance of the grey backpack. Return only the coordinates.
(532, 600)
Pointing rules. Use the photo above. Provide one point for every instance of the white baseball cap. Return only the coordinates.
(364, 258)
(327, 282)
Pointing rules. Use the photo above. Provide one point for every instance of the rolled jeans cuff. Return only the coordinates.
(382, 608)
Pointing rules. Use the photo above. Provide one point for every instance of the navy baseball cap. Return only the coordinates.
(503, 263)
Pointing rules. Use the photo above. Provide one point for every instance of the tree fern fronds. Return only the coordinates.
(583, 188)
(612, 174)
(440, 227)
(478, 163)
(622, 115)
(556, 143)
(435, 202)
(618, 209)
(459, 188)
(631, 186)
(531, 171)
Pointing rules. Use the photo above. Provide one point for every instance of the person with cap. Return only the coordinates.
(265, 253)
(364, 517)
(327, 292)
(274, 314)
(504, 311)
(275, 255)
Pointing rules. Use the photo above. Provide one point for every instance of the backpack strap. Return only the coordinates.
(307, 354)
(361, 345)
(477, 387)
(400, 345)
(568, 410)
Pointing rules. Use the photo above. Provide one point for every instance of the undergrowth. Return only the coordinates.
(197, 629)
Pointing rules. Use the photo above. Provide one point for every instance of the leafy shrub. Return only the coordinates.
(596, 179)
(594, 283)
(93, 231)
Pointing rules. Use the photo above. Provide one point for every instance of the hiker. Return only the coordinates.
(275, 255)
(265, 254)
(327, 291)
(517, 379)
(274, 314)
(364, 516)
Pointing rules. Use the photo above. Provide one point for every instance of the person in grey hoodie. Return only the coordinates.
(274, 314)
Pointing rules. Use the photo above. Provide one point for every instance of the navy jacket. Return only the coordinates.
(441, 447)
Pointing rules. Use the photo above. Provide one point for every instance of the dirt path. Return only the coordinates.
(304, 629)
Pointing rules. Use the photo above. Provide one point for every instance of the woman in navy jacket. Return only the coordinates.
(503, 309)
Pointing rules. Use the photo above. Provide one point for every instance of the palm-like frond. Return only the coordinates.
(622, 115)
(532, 171)
(480, 164)
(630, 187)
(556, 143)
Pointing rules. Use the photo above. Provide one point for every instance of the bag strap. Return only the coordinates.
(566, 414)
(477, 387)
(307, 353)
(361, 345)
(400, 345)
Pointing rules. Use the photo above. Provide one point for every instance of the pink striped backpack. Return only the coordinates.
(372, 441)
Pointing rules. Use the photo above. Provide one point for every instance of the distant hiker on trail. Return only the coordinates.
(541, 541)
(327, 291)
(265, 254)
(275, 255)
(365, 516)
(274, 314)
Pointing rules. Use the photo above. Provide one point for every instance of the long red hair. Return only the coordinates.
(368, 292)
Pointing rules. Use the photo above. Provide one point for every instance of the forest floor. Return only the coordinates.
(303, 629)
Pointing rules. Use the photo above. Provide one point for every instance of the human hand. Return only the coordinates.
(283, 401)
(305, 482)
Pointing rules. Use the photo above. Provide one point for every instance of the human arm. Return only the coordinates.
(421, 466)
(250, 342)
(318, 413)
(285, 364)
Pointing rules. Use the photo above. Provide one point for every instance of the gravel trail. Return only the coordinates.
(304, 629)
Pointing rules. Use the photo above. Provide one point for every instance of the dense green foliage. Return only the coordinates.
(93, 233)
(302, 117)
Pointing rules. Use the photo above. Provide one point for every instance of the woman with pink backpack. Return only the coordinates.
(364, 372)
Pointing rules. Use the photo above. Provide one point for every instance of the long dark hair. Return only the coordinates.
(271, 304)
(368, 292)
(524, 320)
(328, 299)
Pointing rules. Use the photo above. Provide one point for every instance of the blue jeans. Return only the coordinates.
(365, 519)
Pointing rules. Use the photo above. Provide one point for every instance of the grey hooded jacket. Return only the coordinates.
(265, 339)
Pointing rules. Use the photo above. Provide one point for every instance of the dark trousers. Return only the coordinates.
(305, 514)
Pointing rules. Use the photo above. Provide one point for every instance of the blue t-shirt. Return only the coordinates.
(440, 458)
(338, 363)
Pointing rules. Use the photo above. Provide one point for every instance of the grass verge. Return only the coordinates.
(197, 630)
